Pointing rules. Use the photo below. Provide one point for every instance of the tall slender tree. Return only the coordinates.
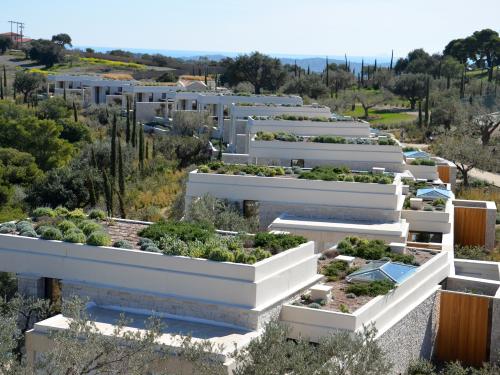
(362, 71)
(1, 88)
(4, 77)
(141, 149)
(134, 126)
(308, 70)
(327, 76)
(295, 69)
(121, 176)
(147, 150)
(64, 93)
(392, 59)
(75, 112)
(426, 107)
(113, 149)
(108, 193)
(127, 129)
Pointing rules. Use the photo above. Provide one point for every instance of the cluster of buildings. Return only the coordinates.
(384, 191)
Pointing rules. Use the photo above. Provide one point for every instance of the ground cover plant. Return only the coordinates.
(330, 173)
(371, 250)
(198, 241)
(220, 167)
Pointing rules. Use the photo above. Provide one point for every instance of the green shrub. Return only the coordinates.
(28, 233)
(408, 149)
(276, 243)
(220, 255)
(421, 367)
(52, 233)
(97, 214)
(41, 229)
(439, 202)
(23, 225)
(372, 289)
(98, 239)
(428, 162)
(74, 236)
(152, 249)
(183, 230)
(344, 309)
(88, 226)
(385, 142)
(43, 211)
(203, 169)
(145, 242)
(7, 228)
(171, 245)
(77, 213)
(123, 244)
(335, 270)
(264, 136)
(61, 211)
(371, 250)
(261, 254)
(66, 225)
(328, 139)
(471, 252)
(314, 305)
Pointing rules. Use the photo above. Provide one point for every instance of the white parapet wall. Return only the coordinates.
(430, 221)
(355, 156)
(310, 128)
(478, 269)
(383, 311)
(247, 286)
(428, 172)
(242, 111)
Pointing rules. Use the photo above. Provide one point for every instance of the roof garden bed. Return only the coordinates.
(368, 255)
(290, 137)
(324, 173)
(298, 118)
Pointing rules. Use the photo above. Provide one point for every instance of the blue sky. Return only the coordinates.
(293, 27)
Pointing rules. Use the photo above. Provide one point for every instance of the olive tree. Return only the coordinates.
(370, 99)
(27, 83)
(410, 86)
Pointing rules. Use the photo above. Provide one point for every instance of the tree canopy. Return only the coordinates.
(46, 52)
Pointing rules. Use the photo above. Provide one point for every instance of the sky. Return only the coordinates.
(362, 28)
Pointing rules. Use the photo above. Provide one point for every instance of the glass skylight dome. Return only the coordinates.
(383, 270)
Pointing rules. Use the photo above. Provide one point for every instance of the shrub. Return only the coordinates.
(408, 149)
(428, 162)
(98, 239)
(261, 254)
(7, 228)
(77, 213)
(52, 233)
(344, 309)
(61, 211)
(28, 233)
(439, 202)
(88, 226)
(328, 139)
(421, 367)
(23, 225)
(183, 230)
(264, 136)
(220, 255)
(372, 289)
(171, 245)
(314, 305)
(371, 250)
(471, 252)
(276, 243)
(43, 211)
(74, 236)
(41, 229)
(385, 142)
(66, 225)
(97, 214)
(152, 249)
(335, 270)
(204, 169)
(123, 244)
(145, 242)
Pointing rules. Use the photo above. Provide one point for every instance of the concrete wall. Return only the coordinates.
(241, 111)
(147, 111)
(328, 153)
(430, 221)
(427, 172)
(478, 269)
(495, 329)
(243, 285)
(310, 128)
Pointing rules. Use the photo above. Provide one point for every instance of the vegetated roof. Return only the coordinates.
(416, 154)
(383, 270)
(434, 193)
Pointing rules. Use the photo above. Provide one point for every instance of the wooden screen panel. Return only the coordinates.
(444, 173)
(470, 226)
(464, 328)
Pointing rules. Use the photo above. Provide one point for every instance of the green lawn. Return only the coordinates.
(382, 116)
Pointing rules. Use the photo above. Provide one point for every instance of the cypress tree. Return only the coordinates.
(462, 86)
(121, 177)
(121, 204)
(154, 149)
(108, 191)
(375, 66)
(308, 70)
(426, 107)
(346, 67)
(64, 94)
(75, 113)
(127, 130)
(392, 57)
(295, 68)
(147, 150)
(1, 89)
(141, 149)
(14, 93)
(134, 126)
(362, 71)
(92, 193)
(420, 113)
(327, 83)
(4, 77)
(113, 149)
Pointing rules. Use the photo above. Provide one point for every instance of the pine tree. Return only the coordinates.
(113, 149)
(75, 113)
(121, 177)
(127, 130)
(134, 126)
(141, 149)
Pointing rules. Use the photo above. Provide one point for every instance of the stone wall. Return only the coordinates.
(495, 330)
(217, 313)
(413, 336)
